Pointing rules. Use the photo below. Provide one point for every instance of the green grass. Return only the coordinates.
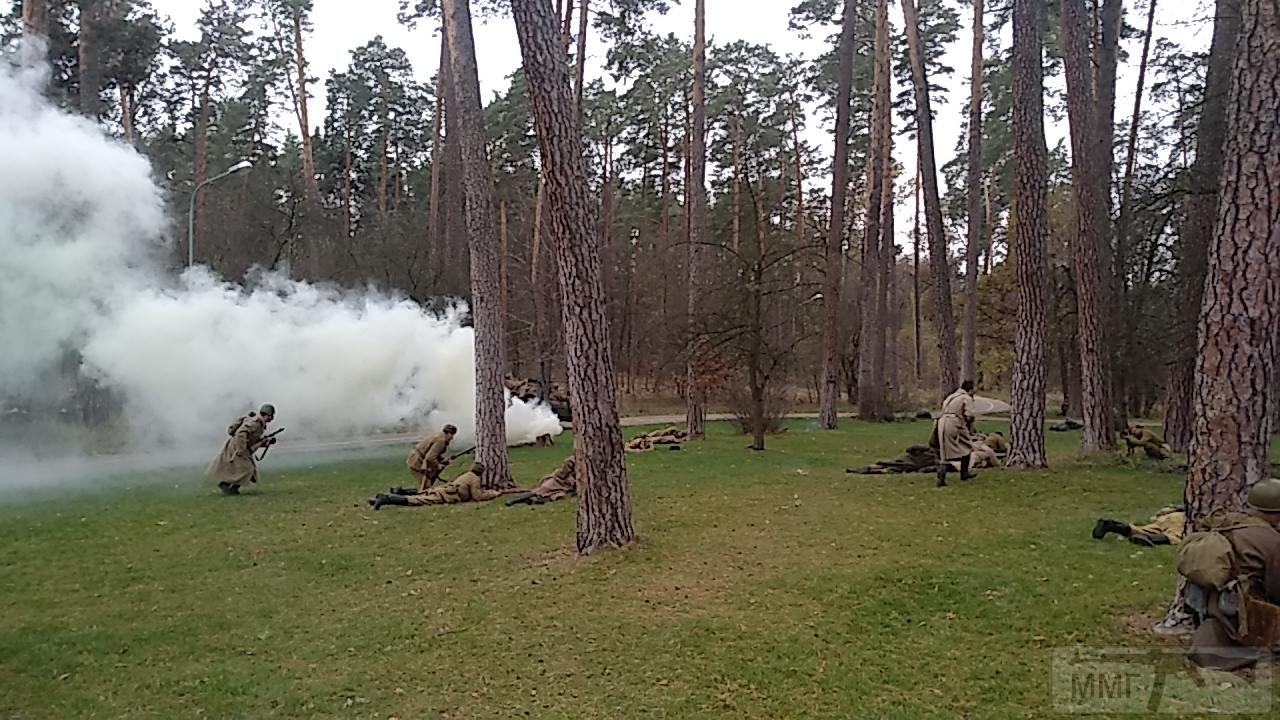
(763, 586)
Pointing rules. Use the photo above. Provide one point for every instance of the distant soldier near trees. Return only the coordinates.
(953, 432)
(236, 465)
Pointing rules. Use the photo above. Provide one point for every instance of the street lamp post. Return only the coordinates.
(191, 209)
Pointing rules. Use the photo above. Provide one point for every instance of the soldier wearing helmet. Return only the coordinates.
(235, 465)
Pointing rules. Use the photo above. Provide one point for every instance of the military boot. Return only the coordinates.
(1107, 525)
(402, 491)
(224, 488)
(964, 469)
(377, 501)
(942, 474)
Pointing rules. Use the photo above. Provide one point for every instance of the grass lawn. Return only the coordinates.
(763, 586)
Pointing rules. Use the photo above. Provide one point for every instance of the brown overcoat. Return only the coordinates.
(558, 484)
(235, 464)
(954, 441)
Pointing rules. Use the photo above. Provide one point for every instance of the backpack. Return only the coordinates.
(1207, 557)
(234, 426)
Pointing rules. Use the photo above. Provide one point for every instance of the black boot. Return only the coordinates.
(402, 491)
(1107, 525)
(224, 488)
(942, 474)
(964, 469)
(377, 501)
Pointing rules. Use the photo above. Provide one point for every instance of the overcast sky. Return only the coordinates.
(342, 25)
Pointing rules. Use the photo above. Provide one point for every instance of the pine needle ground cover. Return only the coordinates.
(767, 585)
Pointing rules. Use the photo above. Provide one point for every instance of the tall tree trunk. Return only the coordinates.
(1026, 429)
(829, 391)
(1126, 327)
(504, 271)
(884, 256)
(348, 143)
(1236, 356)
(482, 236)
(309, 179)
(1235, 368)
(128, 113)
(1114, 260)
(456, 255)
(893, 360)
(1199, 214)
(580, 62)
(915, 285)
(200, 166)
(871, 385)
(695, 414)
(1090, 222)
(968, 366)
(384, 161)
(737, 182)
(90, 71)
(35, 17)
(536, 283)
(437, 252)
(604, 505)
(941, 271)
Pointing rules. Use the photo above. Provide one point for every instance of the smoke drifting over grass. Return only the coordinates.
(82, 230)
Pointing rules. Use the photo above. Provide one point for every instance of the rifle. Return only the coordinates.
(266, 442)
(455, 456)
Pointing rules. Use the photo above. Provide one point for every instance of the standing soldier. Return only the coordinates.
(235, 465)
(426, 461)
(953, 432)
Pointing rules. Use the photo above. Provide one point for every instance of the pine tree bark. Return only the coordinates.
(918, 320)
(35, 17)
(1089, 230)
(482, 235)
(604, 504)
(580, 62)
(1236, 370)
(1026, 430)
(940, 270)
(829, 392)
(200, 165)
(870, 343)
(1198, 218)
(1236, 352)
(436, 238)
(90, 71)
(884, 256)
(695, 414)
(968, 366)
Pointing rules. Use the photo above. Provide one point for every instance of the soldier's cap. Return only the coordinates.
(267, 409)
(478, 467)
(451, 429)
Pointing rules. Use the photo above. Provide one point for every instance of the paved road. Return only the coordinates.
(134, 462)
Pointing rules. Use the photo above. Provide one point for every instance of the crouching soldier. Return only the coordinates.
(1233, 574)
(235, 465)
(426, 461)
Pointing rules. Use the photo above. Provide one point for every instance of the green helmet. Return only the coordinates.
(1264, 496)
(267, 409)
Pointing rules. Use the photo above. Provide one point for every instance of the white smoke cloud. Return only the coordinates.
(81, 221)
